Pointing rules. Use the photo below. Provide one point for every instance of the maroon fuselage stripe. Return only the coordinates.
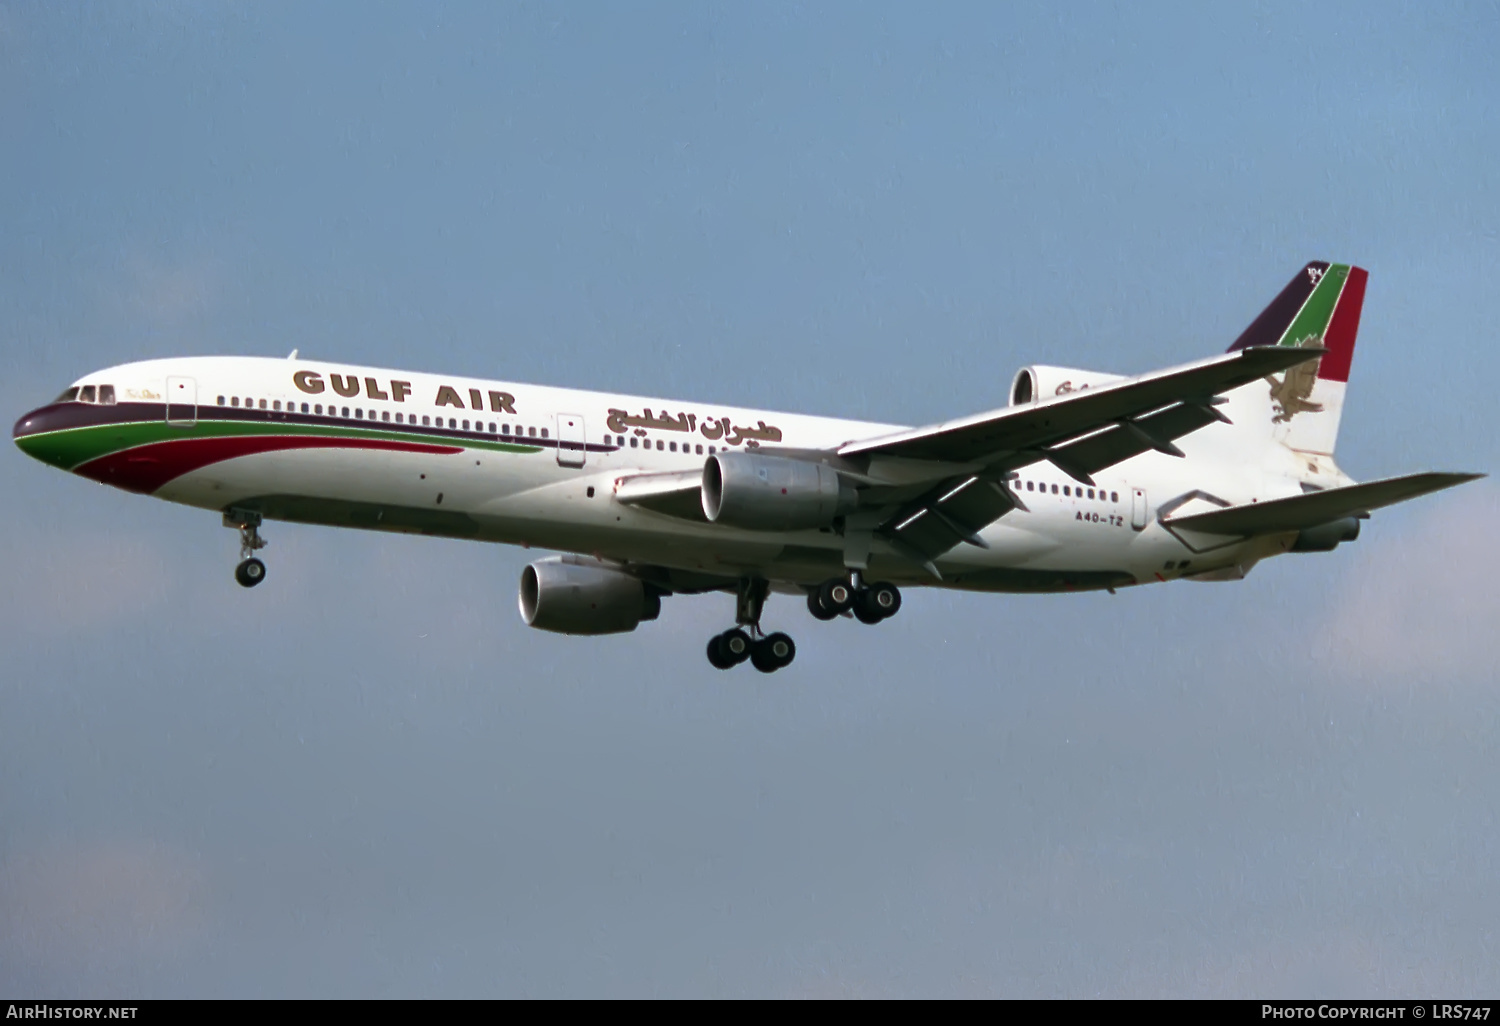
(148, 467)
(1339, 338)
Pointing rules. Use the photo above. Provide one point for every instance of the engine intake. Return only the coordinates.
(574, 595)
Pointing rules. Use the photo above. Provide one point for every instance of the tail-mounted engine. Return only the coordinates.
(1042, 382)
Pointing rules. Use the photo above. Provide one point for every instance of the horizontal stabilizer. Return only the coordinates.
(1300, 512)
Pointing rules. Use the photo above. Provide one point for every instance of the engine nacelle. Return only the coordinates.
(772, 493)
(574, 595)
(1326, 537)
(1042, 382)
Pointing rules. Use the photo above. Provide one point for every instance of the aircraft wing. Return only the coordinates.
(1080, 433)
(1160, 406)
(1300, 512)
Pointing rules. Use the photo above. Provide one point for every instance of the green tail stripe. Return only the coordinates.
(1312, 320)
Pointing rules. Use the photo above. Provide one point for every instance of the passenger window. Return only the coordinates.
(1114, 496)
(634, 442)
(359, 414)
(658, 445)
(304, 407)
(492, 429)
(700, 450)
(263, 404)
(466, 425)
(107, 394)
(1029, 486)
(221, 400)
(385, 416)
(346, 410)
(544, 432)
(505, 429)
(398, 418)
(674, 446)
(234, 400)
(1066, 491)
(424, 421)
(712, 450)
(1054, 489)
(318, 409)
(276, 405)
(453, 423)
(531, 432)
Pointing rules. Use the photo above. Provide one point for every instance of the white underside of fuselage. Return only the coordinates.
(528, 499)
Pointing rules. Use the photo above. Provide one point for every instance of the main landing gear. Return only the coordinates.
(251, 571)
(870, 603)
(766, 652)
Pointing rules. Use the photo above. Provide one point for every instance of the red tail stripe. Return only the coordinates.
(1339, 338)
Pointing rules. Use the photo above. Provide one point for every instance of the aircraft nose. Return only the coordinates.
(27, 425)
(38, 434)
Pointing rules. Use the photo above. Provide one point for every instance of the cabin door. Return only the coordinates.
(182, 402)
(572, 444)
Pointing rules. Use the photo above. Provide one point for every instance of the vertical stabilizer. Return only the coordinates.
(1319, 307)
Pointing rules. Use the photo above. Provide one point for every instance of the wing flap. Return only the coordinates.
(1300, 512)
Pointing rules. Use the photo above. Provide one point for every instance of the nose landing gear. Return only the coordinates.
(766, 652)
(251, 571)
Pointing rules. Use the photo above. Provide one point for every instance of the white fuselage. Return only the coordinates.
(511, 482)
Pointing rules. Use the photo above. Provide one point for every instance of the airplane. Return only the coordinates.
(1083, 481)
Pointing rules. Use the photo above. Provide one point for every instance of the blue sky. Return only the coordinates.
(369, 778)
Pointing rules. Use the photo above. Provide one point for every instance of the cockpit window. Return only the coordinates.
(71, 395)
(86, 394)
(107, 394)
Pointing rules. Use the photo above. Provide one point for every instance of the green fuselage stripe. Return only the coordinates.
(73, 447)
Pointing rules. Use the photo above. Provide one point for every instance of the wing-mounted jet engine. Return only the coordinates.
(773, 493)
(577, 595)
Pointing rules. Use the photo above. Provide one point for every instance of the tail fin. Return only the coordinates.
(1319, 307)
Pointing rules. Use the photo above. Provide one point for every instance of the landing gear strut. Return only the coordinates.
(251, 571)
(766, 652)
(870, 603)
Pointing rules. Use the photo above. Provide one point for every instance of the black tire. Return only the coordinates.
(783, 649)
(865, 611)
(716, 655)
(836, 596)
(885, 597)
(735, 645)
(815, 607)
(250, 573)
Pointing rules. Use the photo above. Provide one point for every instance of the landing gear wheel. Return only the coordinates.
(773, 652)
(815, 607)
(885, 597)
(716, 655)
(250, 573)
(877, 602)
(835, 596)
(734, 646)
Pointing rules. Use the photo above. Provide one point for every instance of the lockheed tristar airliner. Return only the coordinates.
(1083, 481)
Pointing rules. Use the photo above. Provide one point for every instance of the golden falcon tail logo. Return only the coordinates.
(1290, 393)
